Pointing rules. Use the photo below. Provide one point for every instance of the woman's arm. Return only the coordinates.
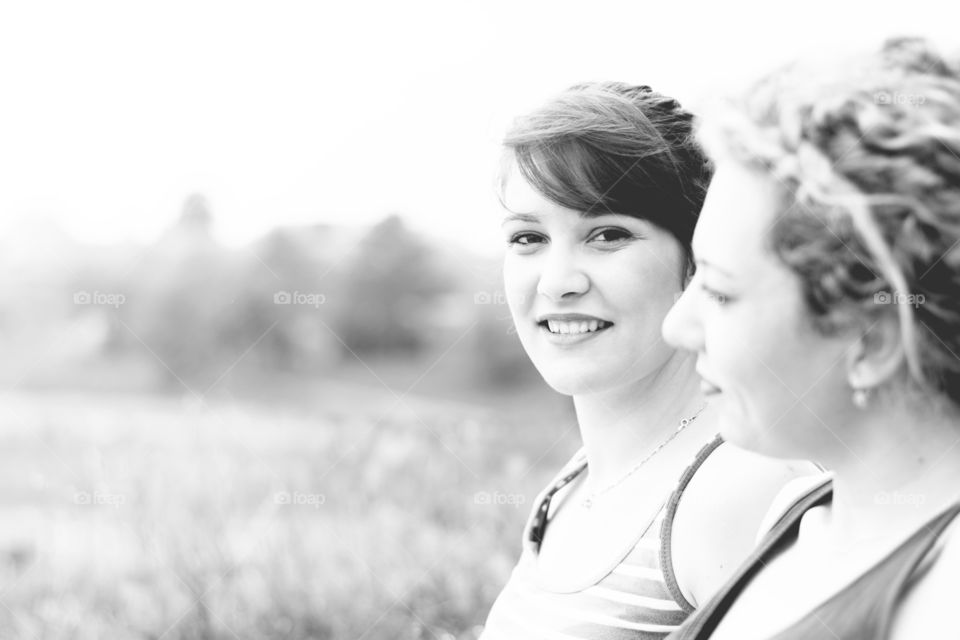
(719, 515)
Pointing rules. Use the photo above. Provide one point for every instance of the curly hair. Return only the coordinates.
(868, 154)
(611, 147)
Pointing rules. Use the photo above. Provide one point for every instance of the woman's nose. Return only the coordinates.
(681, 326)
(563, 275)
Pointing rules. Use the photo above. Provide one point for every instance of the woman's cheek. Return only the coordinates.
(723, 350)
(514, 283)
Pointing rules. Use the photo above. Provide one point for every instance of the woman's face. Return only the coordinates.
(587, 294)
(778, 387)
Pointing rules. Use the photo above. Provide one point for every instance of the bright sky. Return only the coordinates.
(293, 112)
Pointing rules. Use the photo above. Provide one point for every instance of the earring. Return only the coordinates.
(861, 398)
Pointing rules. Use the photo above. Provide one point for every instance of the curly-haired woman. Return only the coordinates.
(825, 320)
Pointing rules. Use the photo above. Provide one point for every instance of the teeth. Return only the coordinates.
(584, 326)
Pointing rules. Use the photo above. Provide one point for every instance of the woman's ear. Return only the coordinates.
(877, 355)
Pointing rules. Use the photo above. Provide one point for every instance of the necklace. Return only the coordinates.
(589, 500)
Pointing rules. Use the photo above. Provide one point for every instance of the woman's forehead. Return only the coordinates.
(737, 217)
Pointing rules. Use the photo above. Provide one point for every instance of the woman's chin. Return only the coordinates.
(571, 383)
(732, 426)
(564, 387)
(743, 433)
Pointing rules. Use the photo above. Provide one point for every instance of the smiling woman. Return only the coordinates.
(558, 256)
(602, 189)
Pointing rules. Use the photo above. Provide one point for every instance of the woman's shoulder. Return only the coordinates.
(793, 491)
(741, 477)
(729, 497)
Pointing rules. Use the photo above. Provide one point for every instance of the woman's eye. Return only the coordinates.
(715, 296)
(524, 239)
(612, 234)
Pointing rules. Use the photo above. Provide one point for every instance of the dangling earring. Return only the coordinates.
(861, 398)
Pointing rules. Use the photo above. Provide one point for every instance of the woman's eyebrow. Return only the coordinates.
(520, 217)
(700, 262)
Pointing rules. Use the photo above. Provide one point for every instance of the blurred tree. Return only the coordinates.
(300, 299)
(390, 286)
(196, 218)
(289, 282)
(181, 304)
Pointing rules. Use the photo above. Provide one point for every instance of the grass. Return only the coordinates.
(342, 516)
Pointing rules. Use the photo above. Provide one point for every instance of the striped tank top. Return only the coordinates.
(638, 599)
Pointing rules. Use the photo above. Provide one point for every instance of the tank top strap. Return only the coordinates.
(537, 522)
(865, 609)
(666, 529)
(935, 548)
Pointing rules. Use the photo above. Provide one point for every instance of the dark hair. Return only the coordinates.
(868, 153)
(609, 147)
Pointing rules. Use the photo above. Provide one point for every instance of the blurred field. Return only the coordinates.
(146, 516)
(331, 433)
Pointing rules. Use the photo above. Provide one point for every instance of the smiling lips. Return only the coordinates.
(569, 327)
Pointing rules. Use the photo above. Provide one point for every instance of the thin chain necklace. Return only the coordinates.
(589, 500)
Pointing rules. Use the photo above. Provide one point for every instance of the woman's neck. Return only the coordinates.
(620, 426)
(900, 472)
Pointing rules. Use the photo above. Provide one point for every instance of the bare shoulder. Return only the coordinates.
(720, 513)
(929, 607)
(730, 467)
(735, 489)
(792, 491)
